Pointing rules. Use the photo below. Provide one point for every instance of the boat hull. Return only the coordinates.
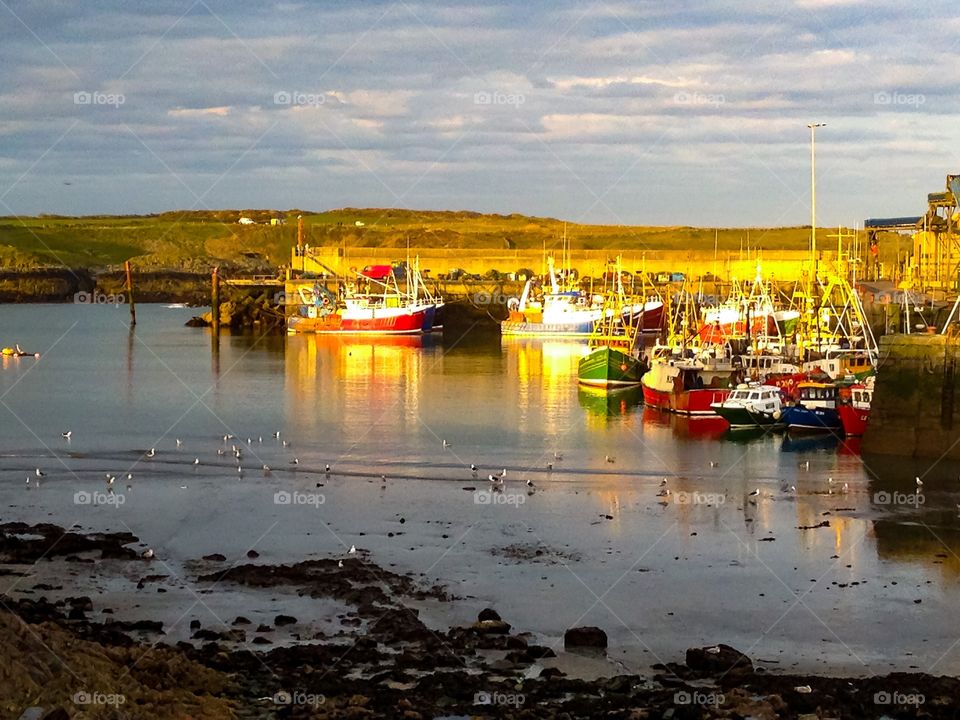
(802, 419)
(742, 417)
(696, 402)
(606, 367)
(853, 420)
(652, 320)
(389, 321)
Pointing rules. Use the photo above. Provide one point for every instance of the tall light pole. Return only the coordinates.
(813, 186)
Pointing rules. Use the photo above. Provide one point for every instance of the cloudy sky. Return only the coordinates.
(617, 112)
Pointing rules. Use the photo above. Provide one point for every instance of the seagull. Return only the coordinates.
(295, 461)
(286, 444)
(40, 473)
(28, 481)
(147, 554)
(610, 459)
(558, 456)
(179, 442)
(846, 487)
(446, 445)
(67, 435)
(339, 563)
(755, 492)
(713, 463)
(260, 438)
(503, 473)
(327, 469)
(129, 476)
(153, 451)
(277, 434)
(225, 438)
(196, 461)
(110, 479)
(352, 550)
(239, 468)
(830, 480)
(530, 483)
(663, 483)
(919, 482)
(249, 440)
(473, 467)
(266, 468)
(495, 479)
(715, 650)
(220, 451)
(549, 466)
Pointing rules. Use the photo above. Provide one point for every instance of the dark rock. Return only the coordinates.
(281, 620)
(194, 624)
(264, 628)
(492, 627)
(57, 714)
(540, 651)
(260, 640)
(589, 637)
(488, 614)
(723, 659)
(215, 557)
(253, 554)
(241, 620)
(552, 672)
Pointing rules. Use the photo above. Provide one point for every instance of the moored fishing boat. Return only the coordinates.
(855, 411)
(383, 308)
(614, 359)
(815, 409)
(687, 386)
(750, 406)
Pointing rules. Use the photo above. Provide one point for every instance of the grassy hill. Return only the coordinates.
(196, 240)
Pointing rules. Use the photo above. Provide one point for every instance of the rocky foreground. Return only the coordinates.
(70, 658)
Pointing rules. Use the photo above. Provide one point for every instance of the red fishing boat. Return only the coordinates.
(688, 386)
(855, 411)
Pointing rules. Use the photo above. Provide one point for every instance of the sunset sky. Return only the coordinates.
(660, 113)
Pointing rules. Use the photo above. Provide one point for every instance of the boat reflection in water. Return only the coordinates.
(684, 426)
(609, 403)
(809, 443)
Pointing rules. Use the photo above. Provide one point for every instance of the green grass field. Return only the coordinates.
(196, 240)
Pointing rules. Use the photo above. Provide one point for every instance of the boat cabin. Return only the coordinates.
(861, 396)
(763, 398)
(817, 395)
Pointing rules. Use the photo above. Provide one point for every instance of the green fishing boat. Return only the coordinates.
(613, 360)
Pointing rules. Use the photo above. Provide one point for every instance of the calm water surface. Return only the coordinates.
(713, 564)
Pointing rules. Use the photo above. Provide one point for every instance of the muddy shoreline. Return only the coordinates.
(74, 657)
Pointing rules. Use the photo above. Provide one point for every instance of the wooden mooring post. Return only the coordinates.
(215, 301)
(133, 305)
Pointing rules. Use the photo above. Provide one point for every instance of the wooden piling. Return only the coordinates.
(133, 305)
(215, 301)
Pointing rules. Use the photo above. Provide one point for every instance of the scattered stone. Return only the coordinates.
(585, 637)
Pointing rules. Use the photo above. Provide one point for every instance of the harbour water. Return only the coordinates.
(795, 551)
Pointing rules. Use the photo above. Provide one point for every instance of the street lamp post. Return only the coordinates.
(813, 186)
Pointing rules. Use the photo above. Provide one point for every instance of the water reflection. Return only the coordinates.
(609, 403)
